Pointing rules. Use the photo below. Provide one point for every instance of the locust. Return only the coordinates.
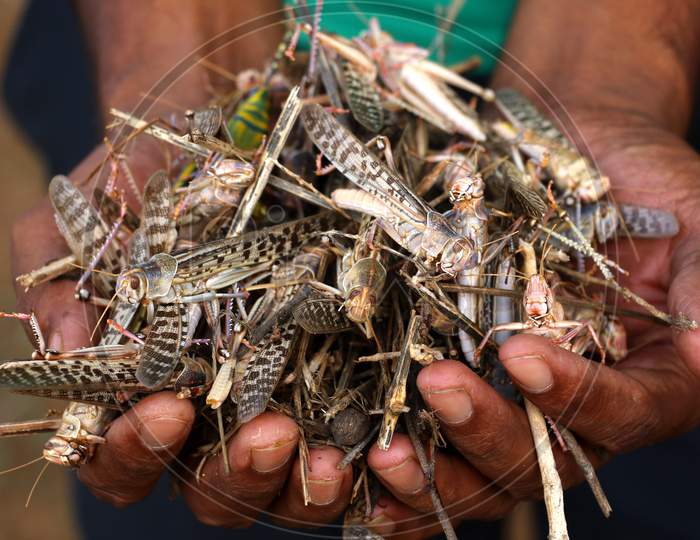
(402, 214)
(274, 348)
(193, 275)
(99, 381)
(545, 318)
(468, 217)
(79, 222)
(362, 274)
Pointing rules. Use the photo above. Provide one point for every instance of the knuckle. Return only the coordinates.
(118, 500)
(638, 423)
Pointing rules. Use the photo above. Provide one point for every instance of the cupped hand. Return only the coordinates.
(264, 479)
(653, 394)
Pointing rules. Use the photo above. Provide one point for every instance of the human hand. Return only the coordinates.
(147, 439)
(649, 396)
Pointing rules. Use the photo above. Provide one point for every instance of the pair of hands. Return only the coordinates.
(651, 395)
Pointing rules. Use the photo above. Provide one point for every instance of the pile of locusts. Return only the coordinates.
(340, 220)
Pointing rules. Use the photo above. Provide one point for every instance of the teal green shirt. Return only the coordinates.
(479, 29)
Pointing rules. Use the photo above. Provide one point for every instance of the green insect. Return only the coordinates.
(251, 120)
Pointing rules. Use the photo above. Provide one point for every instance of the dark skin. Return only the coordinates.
(623, 71)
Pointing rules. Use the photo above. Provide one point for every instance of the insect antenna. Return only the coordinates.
(36, 483)
(18, 467)
(102, 316)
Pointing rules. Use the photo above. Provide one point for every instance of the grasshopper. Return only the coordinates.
(194, 275)
(468, 217)
(539, 139)
(420, 83)
(401, 213)
(545, 318)
(362, 275)
(266, 364)
(76, 218)
(100, 381)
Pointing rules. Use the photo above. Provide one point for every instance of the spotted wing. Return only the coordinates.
(81, 225)
(645, 222)
(360, 166)
(363, 98)
(164, 342)
(83, 374)
(157, 214)
(250, 249)
(264, 370)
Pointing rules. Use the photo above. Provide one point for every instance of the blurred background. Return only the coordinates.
(23, 177)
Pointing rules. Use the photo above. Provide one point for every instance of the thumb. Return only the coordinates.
(684, 298)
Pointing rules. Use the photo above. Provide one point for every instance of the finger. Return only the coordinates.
(473, 496)
(139, 446)
(474, 418)
(685, 270)
(259, 458)
(329, 491)
(618, 409)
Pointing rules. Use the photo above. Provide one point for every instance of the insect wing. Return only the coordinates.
(363, 98)
(522, 113)
(321, 315)
(360, 166)
(254, 248)
(68, 374)
(264, 370)
(108, 399)
(82, 226)
(206, 121)
(649, 222)
(158, 225)
(164, 342)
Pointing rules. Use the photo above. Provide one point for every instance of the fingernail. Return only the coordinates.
(161, 433)
(55, 341)
(271, 458)
(452, 405)
(406, 477)
(322, 492)
(530, 372)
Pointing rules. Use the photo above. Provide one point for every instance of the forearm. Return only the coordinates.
(633, 58)
(134, 45)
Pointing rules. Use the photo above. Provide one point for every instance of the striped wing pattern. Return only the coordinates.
(207, 121)
(363, 98)
(361, 167)
(164, 342)
(525, 115)
(320, 315)
(645, 222)
(264, 370)
(81, 225)
(254, 248)
(68, 374)
(157, 222)
(107, 399)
